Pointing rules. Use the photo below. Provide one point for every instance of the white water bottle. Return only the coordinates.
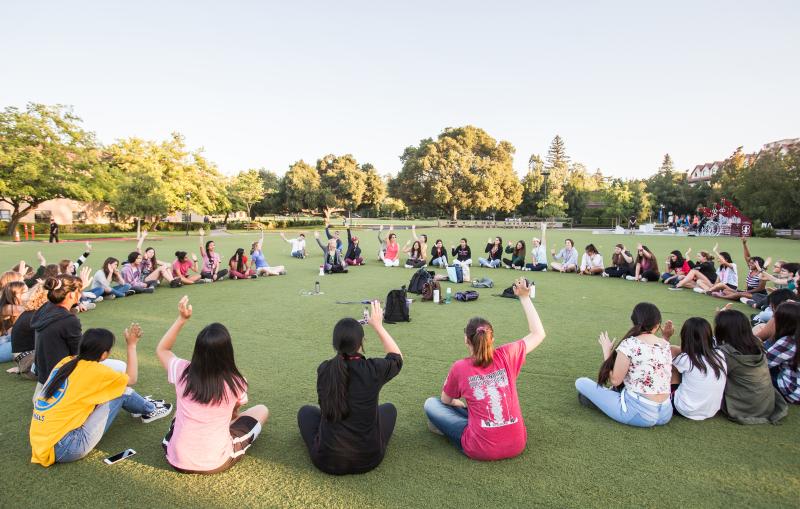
(436, 296)
(533, 290)
(321, 270)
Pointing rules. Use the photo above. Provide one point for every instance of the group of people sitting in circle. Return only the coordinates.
(748, 373)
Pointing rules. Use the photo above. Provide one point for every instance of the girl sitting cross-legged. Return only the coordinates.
(349, 432)
(333, 262)
(209, 433)
(258, 262)
(591, 262)
(494, 248)
(478, 410)
(462, 254)
(439, 254)
(517, 252)
(416, 256)
(82, 396)
(237, 266)
(638, 370)
(700, 369)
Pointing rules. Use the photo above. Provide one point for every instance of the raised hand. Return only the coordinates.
(376, 315)
(86, 276)
(133, 334)
(89, 244)
(605, 344)
(521, 288)
(22, 267)
(316, 235)
(668, 330)
(194, 257)
(184, 308)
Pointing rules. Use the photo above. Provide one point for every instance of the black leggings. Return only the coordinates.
(309, 417)
(508, 263)
(650, 275)
(617, 271)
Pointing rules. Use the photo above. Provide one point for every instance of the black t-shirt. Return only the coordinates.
(22, 335)
(58, 334)
(707, 269)
(354, 444)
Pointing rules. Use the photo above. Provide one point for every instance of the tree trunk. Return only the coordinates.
(225, 221)
(16, 215)
(455, 213)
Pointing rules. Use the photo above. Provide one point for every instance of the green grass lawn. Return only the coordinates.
(576, 457)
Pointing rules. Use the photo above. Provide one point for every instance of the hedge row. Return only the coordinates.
(44, 228)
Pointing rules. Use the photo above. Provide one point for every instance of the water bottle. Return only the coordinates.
(316, 288)
(321, 270)
(447, 299)
(533, 290)
(436, 296)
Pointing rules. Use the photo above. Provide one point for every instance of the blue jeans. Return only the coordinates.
(626, 407)
(451, 421)
(79, 442)
(5, 348)
(484, 262)
(297, 254)
(439, 262)
(764, 316)
(119, 290)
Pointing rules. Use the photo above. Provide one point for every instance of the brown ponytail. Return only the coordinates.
(480, 335)
(60, 286)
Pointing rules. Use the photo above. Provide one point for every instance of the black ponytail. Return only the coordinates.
(94, 343)
(334, 376)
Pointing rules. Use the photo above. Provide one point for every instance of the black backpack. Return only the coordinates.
(396, 309)
(419, 279)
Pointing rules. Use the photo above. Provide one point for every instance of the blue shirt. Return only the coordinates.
(258, 257)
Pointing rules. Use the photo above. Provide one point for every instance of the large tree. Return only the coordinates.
(464, 168)
(46, 154)
(300, 187)
(247, 189)
(557, 169)
(342, 184)
(375, 188)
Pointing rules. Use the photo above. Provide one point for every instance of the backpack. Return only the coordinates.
(508, 292)
(455, 274)
(419, 279)
(483, 282)
(467, 295)
(427, 290)
(396, 309)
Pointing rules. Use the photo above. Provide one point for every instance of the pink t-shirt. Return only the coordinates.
(201, 439)
(495, 429)
(181, 268)
(391, 251)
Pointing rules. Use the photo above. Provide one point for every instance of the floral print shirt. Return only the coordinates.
(650, 371)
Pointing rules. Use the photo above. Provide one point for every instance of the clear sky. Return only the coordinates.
(267, 83)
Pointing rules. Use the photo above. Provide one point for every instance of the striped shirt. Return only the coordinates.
(780, 355)
(753, 280)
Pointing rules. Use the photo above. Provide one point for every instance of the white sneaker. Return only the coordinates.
(98, 299)
(697, 289)
(643, 280)
(156, 402)
(604, 274)
(674, 289)
(544, 270)
(745, 300)
(160, 411)
(630, 278)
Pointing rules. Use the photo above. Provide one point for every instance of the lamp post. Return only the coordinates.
(661, 213)
(188, 197)
(545, 174)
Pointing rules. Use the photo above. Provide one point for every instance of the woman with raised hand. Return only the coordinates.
(298, 249)
(568, 256)
(750, 397)
(539, 252)
(353, 254)
(209, 433)
(333, 262)
(210, 269)
(646, 267)
(677, 266)
(349, 432)
(390, 249)
(478, 410)
(462, 255)
(103, 281)
(69, 267)
(82, 396)
(154, 271)
(591, 262)
(702, 273)
(416, 256)
(727, 285)
(517, 252)
(182, 268)
(258, 262)
(494, 249)
(638, 370)
(621, 263)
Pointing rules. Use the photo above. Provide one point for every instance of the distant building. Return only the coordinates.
(702, 173)
(64, 211)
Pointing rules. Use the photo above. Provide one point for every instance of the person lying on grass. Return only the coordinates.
(699, 369)
(82, 397)
(349, 432)
(638, 370)
(209, 434)
(478, 410)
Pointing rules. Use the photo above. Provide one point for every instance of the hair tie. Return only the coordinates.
(482, 328)
(58, 284)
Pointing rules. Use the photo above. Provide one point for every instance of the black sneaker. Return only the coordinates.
(130, 292)
(584, 401)
(160, 411)
(148, 290)
(156, 402)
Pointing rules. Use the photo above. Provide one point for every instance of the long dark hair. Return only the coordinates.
(10, 296)
(208, 253)
(652, 259)
(678, 263)
(106, 263)
(480, 335)
(731, 327)
(133, 255)
(787, 320)
(521, 251)
(416, 249)
(497, 243)
(237, 256)
(697, 342)
(94, 343)
(153, 260)
(180, 255)
(645, 317)
(213, 368)
(334, 377)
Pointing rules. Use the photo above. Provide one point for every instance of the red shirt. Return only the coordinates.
(495, 429)
(182, 268)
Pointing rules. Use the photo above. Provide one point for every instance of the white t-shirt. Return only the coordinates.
(298, 244)
(699, 395)
(595, 261)
(728, 275)
(540, 254)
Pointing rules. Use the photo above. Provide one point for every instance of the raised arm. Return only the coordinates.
(376, 321)
(140, 242)
(321, 246)
(746, 249)
(536, 332)
(164, 347)
(82, 258)
(414, 231)
(328, 231)
(132, 336)
(380, 234)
